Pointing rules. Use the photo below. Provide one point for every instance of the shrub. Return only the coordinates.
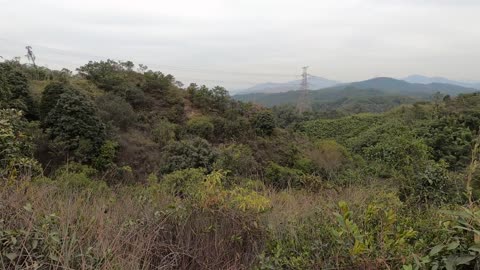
(432, 186)
(329, 156)
(402, 153)
(16, 146)
(263, 122)
(183, 183)
(115, 110)
(237, 159)
(200, 126)
(106, 156)
(282, 177)
(163, 132)
(192, 153)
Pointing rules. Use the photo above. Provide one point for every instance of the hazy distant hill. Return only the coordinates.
(428, 80)
(382, 92)
(314, 83)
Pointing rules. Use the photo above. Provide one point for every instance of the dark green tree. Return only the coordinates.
(74, 122)
(14, 90)
(50, 96)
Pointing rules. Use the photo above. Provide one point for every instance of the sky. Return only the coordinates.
(238, 43)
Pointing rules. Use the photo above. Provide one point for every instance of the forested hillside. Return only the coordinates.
(374, 95)
(116, 166)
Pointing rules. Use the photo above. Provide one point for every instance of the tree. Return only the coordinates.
(50, 96)
(74, 122)
(14, 90)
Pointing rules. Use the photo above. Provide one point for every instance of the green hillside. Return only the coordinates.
(124, 168)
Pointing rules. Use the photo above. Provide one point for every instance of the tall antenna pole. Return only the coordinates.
(303, 103)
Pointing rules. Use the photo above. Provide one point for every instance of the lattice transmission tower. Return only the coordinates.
(303, 103)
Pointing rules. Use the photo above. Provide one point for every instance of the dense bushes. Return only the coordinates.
(114, 110)
(192, 153)
(263, 123)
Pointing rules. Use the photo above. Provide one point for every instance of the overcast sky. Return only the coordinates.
(237, 43)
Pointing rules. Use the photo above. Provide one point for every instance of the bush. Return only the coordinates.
(402, 153)
(237, 159)
(115, 110)
(192, 153)
(328, 156)
(106, 156)
(263, 122)
(432, 186)
(163, 132)
(282, 177)
(16, 146)
(200, 126)
(183, 183)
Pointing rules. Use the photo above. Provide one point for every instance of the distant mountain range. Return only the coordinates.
(381, 92)
(314, 82)
(428, 80)
(317, 83)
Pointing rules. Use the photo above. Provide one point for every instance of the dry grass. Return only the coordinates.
(126, 229)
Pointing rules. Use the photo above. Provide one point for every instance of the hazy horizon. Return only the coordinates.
(241, 43)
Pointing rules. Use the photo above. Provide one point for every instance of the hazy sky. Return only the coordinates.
(237, 43)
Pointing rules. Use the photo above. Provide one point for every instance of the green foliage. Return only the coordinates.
(163, 132)
(209, 100)
(114, 110)
(183, 183)
(109, 75)
(462, 248)
(40, 246)
(106, 156)
(450, 140)
(329, 157)
(237, 159)
(191, 153)
(282, 177)
(341, 130)
(200, 126)
(74, 122)
(263, 123)
(16, 146)
(14, 90)
(378, 235)
(401, 153)
(432, 186)
(78, 177)
(50, 96)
